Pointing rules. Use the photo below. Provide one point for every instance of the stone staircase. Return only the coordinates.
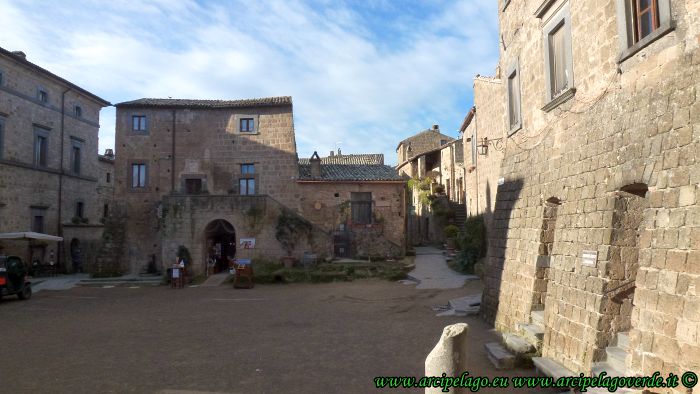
(460, 211)
(614, 365)
(518, 348)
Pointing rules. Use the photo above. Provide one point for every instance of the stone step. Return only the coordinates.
(549, 367)
(599, 367)
(537, 317)
(517, 344)
(533, 333)
(616, 357)
(499, 356)
(623, 340)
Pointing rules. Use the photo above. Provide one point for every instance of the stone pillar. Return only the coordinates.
(448, 356)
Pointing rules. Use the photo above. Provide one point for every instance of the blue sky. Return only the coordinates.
(363, 74)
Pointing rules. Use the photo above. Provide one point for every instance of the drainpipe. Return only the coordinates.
(59, 225)
(172, 161)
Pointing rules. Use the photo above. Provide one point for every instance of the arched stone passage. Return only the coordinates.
(220, 245)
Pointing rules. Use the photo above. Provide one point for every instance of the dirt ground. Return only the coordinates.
(305, 338)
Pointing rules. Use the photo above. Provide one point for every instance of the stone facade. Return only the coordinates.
(483, 165)
(598, 220)
(193, 170)
(48, 156)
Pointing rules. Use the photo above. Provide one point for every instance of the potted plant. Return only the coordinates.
(290, 229)
(451, 232)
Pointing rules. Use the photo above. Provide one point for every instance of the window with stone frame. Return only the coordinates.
(246, 183)
(79, 209)
(2, 135)
(37, 214)
(361, 207)
(139, 123)
(193, 185)
(247, 125)
(78, 111)
(559, 66)
(76, 155)
(640, 22)
(514, 105)
(41, 147)
(138, 175)
(42, 95)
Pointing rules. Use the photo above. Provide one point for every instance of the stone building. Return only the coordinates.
(435, 162)
(216, 177)
(595, 245)
(48, 160)
(358, 199)
(482, 133)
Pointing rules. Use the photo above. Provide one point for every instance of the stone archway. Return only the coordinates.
(219, 245)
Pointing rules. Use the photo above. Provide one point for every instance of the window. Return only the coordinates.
(138, 175)
(138, 123)
(2, 135)
(78, 111)
(640, 22)
(247, 168)
(38, 223)
(193, 186)
(514, 116)
(41, 140)
(2, 78)
(75, 156)
(37, 215)
(247, 125)
(79, 209)
(105, 211)
(42, 95)
(361, 207)
(443, 142)
(246, 186)
(558, 58)
(109, 177)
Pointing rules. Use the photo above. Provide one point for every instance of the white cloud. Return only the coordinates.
(366, 77)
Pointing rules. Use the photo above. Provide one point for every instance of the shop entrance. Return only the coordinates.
(220, 247)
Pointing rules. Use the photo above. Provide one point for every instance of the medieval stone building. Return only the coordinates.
(48, 161)
(218, 176)
(595, 246)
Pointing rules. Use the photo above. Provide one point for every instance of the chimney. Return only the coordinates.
(109, 153)
(315, 165)
(436, 128)
(332, 153)
(20, 54)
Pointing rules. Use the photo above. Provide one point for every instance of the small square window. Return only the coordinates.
(38, 220)
(43, 96)
(247, 168)
(640, 22)
(78, 111)
(247, 125)
(138, 123)
(193, 186)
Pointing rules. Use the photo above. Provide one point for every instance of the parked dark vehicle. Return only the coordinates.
(13, 278)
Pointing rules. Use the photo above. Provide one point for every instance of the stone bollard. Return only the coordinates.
(448, 356)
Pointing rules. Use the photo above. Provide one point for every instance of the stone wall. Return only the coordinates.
(628, 123)
(328, 206)
(483, 171)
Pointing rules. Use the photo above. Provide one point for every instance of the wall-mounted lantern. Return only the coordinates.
(483, 146)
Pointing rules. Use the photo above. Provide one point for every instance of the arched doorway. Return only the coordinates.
(220, 245)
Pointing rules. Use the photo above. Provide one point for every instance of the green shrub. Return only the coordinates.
(451, 231)
(472, 244)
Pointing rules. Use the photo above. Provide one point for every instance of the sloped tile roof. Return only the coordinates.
(188, 103)
(364, 167)
(361, 159)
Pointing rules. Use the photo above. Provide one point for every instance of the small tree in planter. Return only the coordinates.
(451, 233)
(290, 229)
